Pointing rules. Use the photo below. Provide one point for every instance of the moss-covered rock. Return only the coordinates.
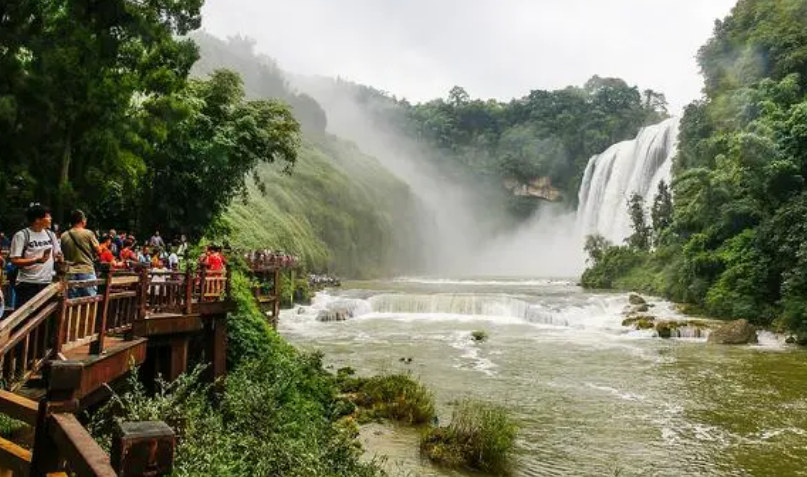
(636, 299)
(735, 333)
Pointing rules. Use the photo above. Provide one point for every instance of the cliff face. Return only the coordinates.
(540, 188)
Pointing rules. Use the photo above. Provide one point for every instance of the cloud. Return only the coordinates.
(419, 49)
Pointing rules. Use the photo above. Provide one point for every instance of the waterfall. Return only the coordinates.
(612, 177)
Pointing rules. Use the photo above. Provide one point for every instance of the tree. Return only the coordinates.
(640, 239)
(662, 212)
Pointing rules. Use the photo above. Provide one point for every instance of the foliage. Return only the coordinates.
(340, 211)
(733, 244)
(481, 437)
(276, 416)
(661, 214)
(549, 134)
(613, 262)
(391, 396)
(640, 238)
(96, 112)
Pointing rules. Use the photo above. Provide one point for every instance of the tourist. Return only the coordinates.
(80, 246)
(215, 261)
(173, 260)
(5, 243)
(156, 241)
(143, 256)
(34, 251)
(105, 255)
(128, 256)
(182, 250)
(2, 296)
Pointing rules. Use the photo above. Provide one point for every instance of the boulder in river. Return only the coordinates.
(735, 333)
(636, 299)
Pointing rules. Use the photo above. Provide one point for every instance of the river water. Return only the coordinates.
(592, 398)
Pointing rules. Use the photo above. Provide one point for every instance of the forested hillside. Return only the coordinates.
(546, 134)
(339, 209)
(736, 244)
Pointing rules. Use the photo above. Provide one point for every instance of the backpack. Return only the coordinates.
(14, 270)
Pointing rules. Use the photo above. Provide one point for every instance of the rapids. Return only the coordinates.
(593, 398)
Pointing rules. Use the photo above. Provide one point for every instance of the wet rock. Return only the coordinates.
(636, 299)
(664, 329)
(790, 340)
(645, 322)
(735, 333)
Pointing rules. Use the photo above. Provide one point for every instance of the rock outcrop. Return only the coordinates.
(738, 332)
(541, 188)
(636, 299)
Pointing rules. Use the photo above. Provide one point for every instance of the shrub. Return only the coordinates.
(479, 335)
(393, 396)
(481, 437)
(614, 262)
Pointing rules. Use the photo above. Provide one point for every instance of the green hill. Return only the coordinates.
(339, 209)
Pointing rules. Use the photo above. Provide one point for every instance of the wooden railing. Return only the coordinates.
(52, 323)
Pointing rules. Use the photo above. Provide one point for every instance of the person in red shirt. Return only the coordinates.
(105, 256)
(128, 257)
(215, 261)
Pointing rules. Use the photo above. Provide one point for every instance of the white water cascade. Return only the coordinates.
(611, 178)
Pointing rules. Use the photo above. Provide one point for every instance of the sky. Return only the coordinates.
(420, 49)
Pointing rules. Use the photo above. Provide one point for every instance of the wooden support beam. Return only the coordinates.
(18, 407)
(141, 449)
(179, 357)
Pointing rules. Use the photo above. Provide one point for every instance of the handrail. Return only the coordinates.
(84, 456)
(31, 324)
(27, 310)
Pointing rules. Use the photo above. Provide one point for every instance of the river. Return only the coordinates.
(592, 398)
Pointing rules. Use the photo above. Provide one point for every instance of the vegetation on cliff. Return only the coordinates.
(340, 210)
(735, 241)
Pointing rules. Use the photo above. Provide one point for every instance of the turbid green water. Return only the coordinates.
(593, 398)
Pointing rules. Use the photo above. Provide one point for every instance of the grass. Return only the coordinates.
(481, 437)
(339, 211)
(397, 397)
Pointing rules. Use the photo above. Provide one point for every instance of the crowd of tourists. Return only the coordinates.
(33, 256)
(266, 259)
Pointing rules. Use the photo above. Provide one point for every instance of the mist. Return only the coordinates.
(465, 231)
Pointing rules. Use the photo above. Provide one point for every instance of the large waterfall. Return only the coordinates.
(626, 168)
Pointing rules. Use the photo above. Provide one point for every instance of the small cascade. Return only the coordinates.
(451, 303)
(611, 178)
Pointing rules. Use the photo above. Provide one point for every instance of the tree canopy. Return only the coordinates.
(96, 112)
(735, 245)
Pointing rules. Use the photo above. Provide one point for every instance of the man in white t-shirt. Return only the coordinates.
(33, 251)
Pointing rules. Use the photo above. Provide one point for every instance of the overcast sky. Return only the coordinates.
(501, 49)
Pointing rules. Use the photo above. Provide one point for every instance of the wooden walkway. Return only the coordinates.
(58, 355)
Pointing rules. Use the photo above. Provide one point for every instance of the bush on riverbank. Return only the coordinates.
(481, 437)
(398, 397)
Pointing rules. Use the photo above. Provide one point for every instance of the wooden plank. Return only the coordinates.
(102, 369)
(18, 407)
(27, 310)
(100, 328)
(125, 280)
(84, 456)
(14, 458)
(168, 325)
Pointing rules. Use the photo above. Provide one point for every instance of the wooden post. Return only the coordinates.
(143, 449)
(276, 303)
(144, 294)
(63, 379)
(219, 347)
(179, 357)
(60, 328)
(97, 347)
(188, 290)
(292, 288)
(228, 274)
(202, 273)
